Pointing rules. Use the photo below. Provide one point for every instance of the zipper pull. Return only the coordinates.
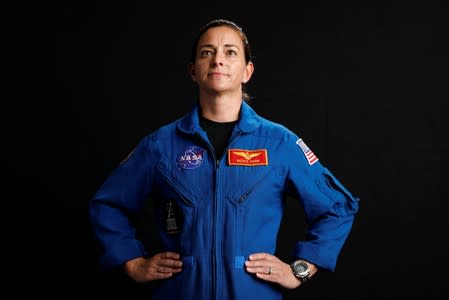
(243, 197)
(218, 162)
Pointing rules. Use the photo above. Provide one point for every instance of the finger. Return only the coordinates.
(267, 277)
(161, 269)
(170, 255)
(256, 270)
(257, 263)
(261, 256)
(262, 270)
(170, 263)
(162, 275)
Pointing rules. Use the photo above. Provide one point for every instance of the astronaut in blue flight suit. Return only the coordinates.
(220, 176)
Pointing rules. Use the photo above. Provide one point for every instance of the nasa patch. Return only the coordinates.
(191, 158)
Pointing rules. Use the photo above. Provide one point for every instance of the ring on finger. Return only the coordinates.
(270, 270)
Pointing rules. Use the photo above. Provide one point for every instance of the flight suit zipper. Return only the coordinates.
(245, 195)
(214, 216)
(216, 252)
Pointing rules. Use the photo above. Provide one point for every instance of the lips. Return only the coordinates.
(217, 74)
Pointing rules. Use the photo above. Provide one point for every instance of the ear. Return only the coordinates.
(191, 70)
(249, 70)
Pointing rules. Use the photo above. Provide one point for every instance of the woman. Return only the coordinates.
(219, 177)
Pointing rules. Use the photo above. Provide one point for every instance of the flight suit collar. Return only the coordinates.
(248, 120)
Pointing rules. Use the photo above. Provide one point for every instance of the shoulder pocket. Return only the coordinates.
(345, 202)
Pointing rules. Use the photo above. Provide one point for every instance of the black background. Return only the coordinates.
(366, 88)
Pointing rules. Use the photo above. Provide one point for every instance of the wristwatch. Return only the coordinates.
(301, 270)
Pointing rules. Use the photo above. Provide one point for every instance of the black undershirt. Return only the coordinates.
(218, 134)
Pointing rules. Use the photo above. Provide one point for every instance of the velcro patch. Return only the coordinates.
(310, 156)
(242, 157)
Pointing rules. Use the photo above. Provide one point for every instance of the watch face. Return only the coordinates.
(300, 267)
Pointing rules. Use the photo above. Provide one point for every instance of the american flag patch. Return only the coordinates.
(310, 156)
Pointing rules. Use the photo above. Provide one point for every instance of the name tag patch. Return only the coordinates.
(242, 157)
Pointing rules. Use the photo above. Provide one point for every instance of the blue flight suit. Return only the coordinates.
(216, 211)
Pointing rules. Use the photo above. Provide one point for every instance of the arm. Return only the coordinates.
(121, 196)
(329, 208)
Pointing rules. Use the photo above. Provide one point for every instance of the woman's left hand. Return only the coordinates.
(270, 268)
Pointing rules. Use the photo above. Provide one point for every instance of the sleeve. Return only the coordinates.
(122, 194)
(328, 206)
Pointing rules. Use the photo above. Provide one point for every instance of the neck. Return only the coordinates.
(221, 109)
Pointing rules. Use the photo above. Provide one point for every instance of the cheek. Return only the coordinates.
(201, 71)
(240, 74)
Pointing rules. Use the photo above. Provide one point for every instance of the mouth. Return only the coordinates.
(217, 74)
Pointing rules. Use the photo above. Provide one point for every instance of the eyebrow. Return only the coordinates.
(212, 46)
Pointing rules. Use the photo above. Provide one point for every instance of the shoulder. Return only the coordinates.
(275, 130)
(159, 135)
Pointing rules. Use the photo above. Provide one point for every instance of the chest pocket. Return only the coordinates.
(249, 184)
(176, 210)
(170, 187)
(190, 186)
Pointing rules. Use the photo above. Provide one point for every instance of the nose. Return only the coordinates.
(217, 60)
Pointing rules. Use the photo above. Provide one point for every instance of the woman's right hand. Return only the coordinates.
(160, 266)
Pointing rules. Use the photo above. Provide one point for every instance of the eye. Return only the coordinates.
(206, 52)
(231, 52)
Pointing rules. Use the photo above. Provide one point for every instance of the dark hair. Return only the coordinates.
(230, 24)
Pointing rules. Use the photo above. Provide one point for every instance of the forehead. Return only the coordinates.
(221, 35)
